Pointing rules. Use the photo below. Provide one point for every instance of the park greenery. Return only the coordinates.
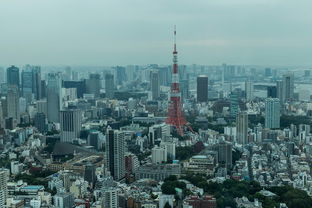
(226, 192)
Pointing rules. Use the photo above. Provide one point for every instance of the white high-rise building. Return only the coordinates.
(159, 155)
(272, 113)
(115, 153)
(71, 121)
(4, 177)
(249, 88)
(170, 148)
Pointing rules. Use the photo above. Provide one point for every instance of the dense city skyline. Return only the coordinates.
(140, 32)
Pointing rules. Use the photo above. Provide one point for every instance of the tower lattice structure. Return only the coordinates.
(175, 115)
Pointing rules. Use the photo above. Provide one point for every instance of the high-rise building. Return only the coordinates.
(109, 86)
(80, 86)
(63, 200)
(155, 84)
(249, 88)
(242, 128)
(40, 122)
(159, 155)
(268, 72)
(288, 86)
(225, 154)
(185, 89)
(12, 100)
(2, 75)
(234, 104)
(54, 97)
(115, 153)
(41, 106)
(31, 83)
(89, 173)
(272, 92)
(71, 121)
(272, 113)
(279, 90)
(4, 177)
(13, 76)
(120, 75)
(110, 197)
(202, 88)
(93, 139)
(94, 84)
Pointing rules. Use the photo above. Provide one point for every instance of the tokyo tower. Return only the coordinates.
(175, 116)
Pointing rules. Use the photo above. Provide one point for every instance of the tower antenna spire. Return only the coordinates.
(175, 38)
(175, 114)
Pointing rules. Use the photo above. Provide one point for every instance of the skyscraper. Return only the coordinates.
(225, 154)
(109, 86)
(54, 96)
(40, 122)
(202, 88)
(110, 197)
(94, 84)
(272, 113)
(272, 92)
(71, 121)
(80, 86)
(288, 86)
(249, 88)
(242, 128)
(279, 90)
(12, 100)
(31, 83)
(234, 104)
(4, 177)
(13, 76)
(115, 153)
(120, 74)
(185, 89)
(155, 84)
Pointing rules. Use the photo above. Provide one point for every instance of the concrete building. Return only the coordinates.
(249, 88)
(225, 154)
(288, 86)
(94, 85)
(115, 153)
(202, 88)
(63, 200)
(109, 86)
(54, 103)
(110, 197)
(272, 113)
(155, 84)
(12, 100)
(242, 128)
(4, 177)
(71, 121)
(157, 172)
(13, 76)
(159, 155)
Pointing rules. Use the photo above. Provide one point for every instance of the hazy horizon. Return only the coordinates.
(106, 33)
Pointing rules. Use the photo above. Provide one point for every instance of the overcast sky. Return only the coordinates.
(110, 32)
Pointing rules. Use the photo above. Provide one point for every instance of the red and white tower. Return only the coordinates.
(175, 115)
